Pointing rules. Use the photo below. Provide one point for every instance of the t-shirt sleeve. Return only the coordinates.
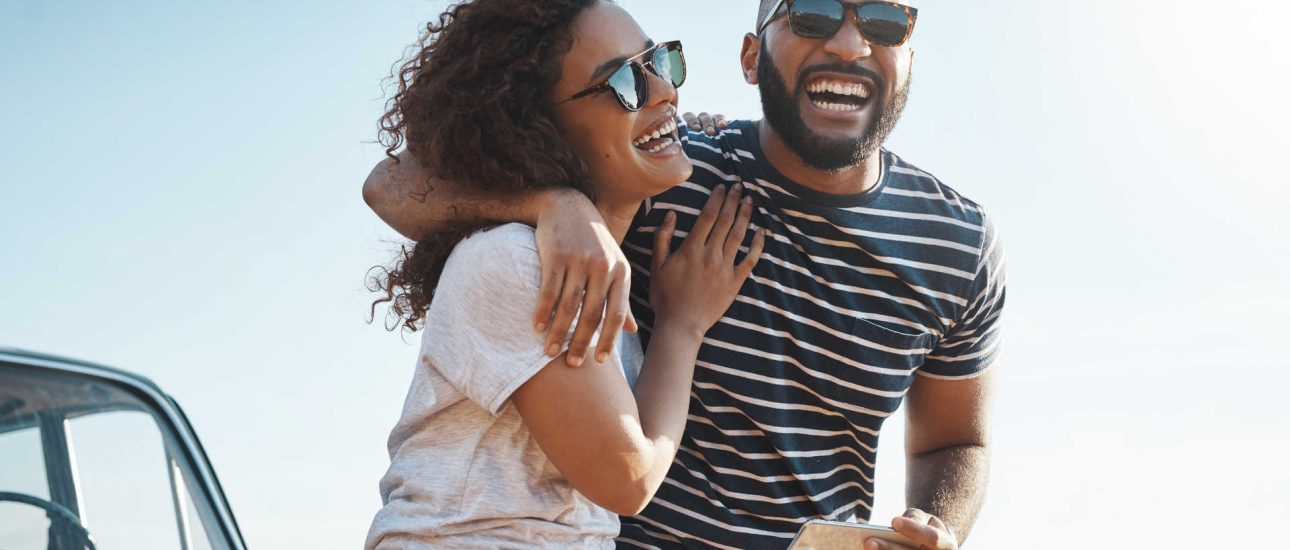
(972, 344)
(479, 334)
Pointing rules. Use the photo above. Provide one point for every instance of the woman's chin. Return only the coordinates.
(645, 178)
(676, 172)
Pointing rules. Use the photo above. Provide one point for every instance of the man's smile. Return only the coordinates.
(839, 97)
(836, 94)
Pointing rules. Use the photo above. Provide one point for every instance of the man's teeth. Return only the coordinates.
(838, 88)
(666, 129)
(835, 106)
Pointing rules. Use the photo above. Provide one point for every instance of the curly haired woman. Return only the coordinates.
(500, 446)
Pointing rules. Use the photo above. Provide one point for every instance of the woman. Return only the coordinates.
(499, 445)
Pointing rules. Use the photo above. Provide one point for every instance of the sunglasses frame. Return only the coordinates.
(638, 69)
(910, 11)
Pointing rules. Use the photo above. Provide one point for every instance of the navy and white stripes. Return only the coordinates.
(853, 297)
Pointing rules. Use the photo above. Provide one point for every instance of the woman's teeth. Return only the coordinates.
(662, 144)
(665, 129)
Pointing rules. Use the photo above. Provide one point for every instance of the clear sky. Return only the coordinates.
(180, 197)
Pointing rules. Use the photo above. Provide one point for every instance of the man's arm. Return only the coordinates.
(413, 203)
(947, 444)
(583, 269)
(947, 452)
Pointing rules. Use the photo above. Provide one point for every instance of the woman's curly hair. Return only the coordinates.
(474, 106)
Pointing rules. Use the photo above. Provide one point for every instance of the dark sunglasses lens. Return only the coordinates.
(669, 63)
(627, 83)
(883, 24)
(815, 18)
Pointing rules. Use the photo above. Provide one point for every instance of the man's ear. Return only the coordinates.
(748, 57)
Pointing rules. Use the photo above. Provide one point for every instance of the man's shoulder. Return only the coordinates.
(731, 143)
(723, 159)
(920, 190)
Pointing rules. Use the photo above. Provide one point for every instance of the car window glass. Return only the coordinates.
(104, 457)
(22, 527)
(124, 479)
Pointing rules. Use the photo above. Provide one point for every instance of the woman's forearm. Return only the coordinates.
(663, 396)
(614, 446)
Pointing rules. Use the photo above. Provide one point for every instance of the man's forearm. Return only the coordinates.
(413, 203)
(949, 483)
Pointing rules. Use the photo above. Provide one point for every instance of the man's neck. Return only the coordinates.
(849, 181)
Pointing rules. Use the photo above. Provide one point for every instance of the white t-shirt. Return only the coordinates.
(464, 470)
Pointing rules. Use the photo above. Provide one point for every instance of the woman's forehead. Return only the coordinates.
(602, 33)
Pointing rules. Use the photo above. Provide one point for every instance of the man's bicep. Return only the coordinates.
(944, 413)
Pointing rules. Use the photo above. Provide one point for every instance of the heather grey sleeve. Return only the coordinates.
(480, 335)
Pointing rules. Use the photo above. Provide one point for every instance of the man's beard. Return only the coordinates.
(784, 114)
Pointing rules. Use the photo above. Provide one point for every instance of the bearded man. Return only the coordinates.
(880, 285)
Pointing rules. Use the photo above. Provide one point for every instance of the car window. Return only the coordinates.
(22, 527)
(125, 486)
(91, 462)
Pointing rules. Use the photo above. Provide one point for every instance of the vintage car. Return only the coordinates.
(95, 457)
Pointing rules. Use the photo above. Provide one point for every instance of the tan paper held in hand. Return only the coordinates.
(835, 535)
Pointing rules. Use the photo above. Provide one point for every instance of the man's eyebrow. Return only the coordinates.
(614, 63)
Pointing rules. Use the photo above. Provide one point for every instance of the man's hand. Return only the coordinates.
(584, 269)
(921, 527)
(710, 124)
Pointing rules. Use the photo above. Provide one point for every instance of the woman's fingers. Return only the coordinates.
(737, 233)
(663, 240)
(725, 220)
(707, 217)
(745, 267)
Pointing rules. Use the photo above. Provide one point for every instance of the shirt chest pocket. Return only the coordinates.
(888, 348)
(877, 365)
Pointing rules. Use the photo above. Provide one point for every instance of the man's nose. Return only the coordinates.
(848, 44)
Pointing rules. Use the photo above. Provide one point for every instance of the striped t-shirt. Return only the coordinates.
(854, 296)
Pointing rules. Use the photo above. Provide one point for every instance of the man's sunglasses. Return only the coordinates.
(629, 82)
(881, 23)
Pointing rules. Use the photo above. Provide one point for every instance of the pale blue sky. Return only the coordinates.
(181, 199)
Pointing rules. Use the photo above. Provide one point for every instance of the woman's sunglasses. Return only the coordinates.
(629, 82)
(881, 23)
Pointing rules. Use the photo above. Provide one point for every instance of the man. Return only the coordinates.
(879, 285)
